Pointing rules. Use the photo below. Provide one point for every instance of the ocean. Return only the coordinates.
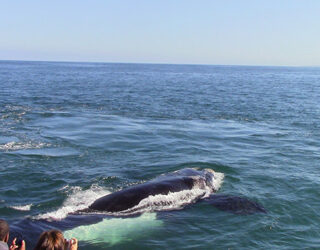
(73, 132)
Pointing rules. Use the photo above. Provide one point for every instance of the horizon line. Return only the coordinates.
(161, 63)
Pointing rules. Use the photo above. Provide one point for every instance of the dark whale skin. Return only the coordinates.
(183, 179)
(130, 197)
(235, 204)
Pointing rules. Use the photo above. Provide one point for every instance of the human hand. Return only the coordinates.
(15, 246)
(23, 245)
(73, 244)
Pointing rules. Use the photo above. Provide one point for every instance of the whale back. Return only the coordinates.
(235, 204)
(169, 191)
(130, 197)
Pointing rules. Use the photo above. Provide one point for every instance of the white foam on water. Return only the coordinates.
(171, 201)
(77, 199)
(11, 146)
(218, 180)
(22, 208)
(15, 112)
(116, 230)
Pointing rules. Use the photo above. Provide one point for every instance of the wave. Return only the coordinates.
(50, 152)
(13, 145)
(15, 112)
(77, 199)
(32, 148)
(22, 207)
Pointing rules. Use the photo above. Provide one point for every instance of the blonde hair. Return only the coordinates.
(51, 240)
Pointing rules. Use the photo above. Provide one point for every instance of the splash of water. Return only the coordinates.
(22, 207)
(77, 199)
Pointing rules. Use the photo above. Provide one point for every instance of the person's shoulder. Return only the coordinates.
(3, 246)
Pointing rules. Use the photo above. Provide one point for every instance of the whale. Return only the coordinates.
(139, 207)
(172, 191)
(181, 180)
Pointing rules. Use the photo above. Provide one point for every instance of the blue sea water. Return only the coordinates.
(73, 132)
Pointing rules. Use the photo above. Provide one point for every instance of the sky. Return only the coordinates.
(219, 32)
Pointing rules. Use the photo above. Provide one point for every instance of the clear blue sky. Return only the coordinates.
(244, 32)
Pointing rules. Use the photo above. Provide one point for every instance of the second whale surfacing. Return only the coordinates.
(166, 192)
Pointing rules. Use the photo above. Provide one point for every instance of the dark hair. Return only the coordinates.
(4, 229)
(51, 240)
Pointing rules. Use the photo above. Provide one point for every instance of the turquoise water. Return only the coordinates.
(73, 132)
